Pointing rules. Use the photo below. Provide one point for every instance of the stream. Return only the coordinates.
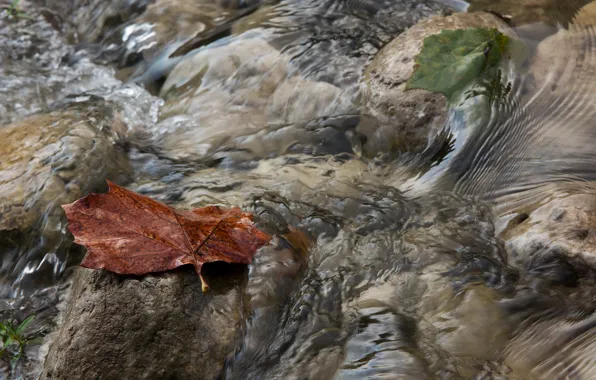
(445, 241)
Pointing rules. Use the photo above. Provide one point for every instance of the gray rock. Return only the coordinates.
(152, 327)
(409, 119)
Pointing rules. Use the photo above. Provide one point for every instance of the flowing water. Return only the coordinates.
(472, 257)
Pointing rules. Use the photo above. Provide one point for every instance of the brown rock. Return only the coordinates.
(52, 159)
(48, 160)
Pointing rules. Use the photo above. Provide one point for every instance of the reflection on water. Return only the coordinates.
(471, 258)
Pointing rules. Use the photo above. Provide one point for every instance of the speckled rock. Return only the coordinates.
(565, 223)
(152, 327)
(410, 118)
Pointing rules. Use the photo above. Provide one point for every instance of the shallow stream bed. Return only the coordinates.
(414, 238)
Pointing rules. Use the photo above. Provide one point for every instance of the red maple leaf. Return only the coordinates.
(128, 233)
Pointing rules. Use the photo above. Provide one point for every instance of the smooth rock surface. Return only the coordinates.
(563, 62)
(55, 158)
(49, 160)
(152, 327)
(411, 118)
(223, 96)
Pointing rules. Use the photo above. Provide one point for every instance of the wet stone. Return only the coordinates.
(150, 327)
(55, 158)
(243, 101)
(554, 333)
(530, 11)
(553, 309)
(564, 224)
(410, 120)
(332, 41)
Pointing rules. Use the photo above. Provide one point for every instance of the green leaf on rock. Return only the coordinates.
(452, 59)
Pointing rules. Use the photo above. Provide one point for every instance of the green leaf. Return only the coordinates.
(452, 59)
(8, 329)
(8, 342)
(24, 324)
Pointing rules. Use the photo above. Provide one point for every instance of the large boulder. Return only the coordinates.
(410, 118)
(152, 327)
